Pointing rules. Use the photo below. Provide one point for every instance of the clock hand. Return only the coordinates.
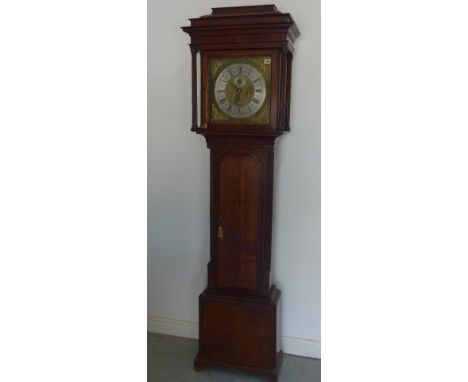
(238, 95)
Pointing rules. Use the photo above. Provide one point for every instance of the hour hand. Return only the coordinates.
(238, 95)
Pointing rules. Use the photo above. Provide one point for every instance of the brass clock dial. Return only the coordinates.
(239, 90)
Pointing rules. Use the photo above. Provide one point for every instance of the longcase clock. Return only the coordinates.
(243, 100)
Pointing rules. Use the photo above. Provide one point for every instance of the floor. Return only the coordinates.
(170, 359)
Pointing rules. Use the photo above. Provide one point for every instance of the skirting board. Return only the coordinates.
(188, 329)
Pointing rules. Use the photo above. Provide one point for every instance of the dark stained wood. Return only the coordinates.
(241, 199)
(260, 10)
(238, 31)
(239, 332)
(287, 127)
(263, 18)
(194, 90)
(239, 208)
(238, 309)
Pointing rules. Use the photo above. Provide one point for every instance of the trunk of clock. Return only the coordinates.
(241, 198)
(238, 310)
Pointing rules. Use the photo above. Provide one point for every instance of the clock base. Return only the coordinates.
(239, 332)
(201, 364)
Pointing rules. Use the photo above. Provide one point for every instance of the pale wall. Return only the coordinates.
(178, 181)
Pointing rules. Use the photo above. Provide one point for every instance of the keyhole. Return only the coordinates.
(220, 231)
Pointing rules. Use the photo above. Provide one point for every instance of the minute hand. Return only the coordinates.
(238, 96)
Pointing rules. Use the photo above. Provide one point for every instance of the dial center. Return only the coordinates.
(239, 91)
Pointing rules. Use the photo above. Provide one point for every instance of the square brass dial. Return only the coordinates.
(239, 90)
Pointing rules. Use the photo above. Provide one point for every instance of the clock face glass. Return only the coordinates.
(240, 90)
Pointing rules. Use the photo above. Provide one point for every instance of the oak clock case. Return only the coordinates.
(244, 101)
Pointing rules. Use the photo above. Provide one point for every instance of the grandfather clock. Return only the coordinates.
(245, 89)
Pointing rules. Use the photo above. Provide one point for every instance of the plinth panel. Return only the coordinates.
(239, 331)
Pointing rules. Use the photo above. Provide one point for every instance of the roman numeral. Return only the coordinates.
(239, 69)
(257, 90)
(222, 100)
(255, 80)
(255, 100)
(229, 107)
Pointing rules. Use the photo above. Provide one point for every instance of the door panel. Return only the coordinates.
(239, 211)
